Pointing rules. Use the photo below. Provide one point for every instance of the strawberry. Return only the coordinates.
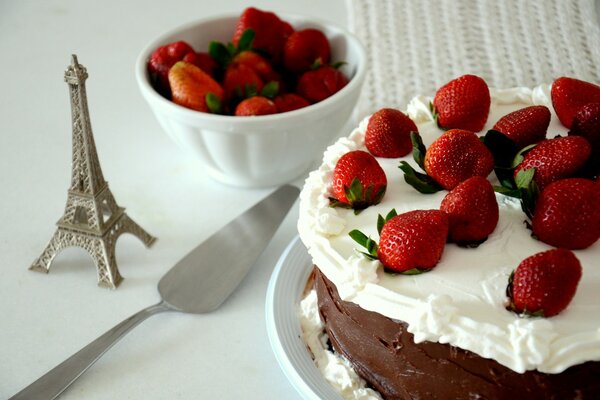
(525, 126)
(240, 82)
(259, 64)
(409, 243)
(452, 158)
(544, 284)
(305, 49)
(203, 61)
(194, 88)
(246, 71)
(567, 214)
(586, 123)
(289, 102)
(271, 32)
(413, 240)
(472, 211)
(358, 181)
(569, 95)
(388, 133)
(462, 103)
(318, 84)
(161, 61)
(257, 105)
(555, 159)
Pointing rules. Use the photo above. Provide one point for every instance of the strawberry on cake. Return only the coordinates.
(469, 268)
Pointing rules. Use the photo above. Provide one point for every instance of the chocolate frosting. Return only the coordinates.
(384, 353)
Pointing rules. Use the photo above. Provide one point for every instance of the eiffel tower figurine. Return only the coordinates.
(92, 218)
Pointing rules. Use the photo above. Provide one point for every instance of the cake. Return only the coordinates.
(445, 333)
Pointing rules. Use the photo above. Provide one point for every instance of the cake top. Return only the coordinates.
(461, 301)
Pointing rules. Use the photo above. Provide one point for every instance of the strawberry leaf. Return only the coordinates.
(338, 64)
(516, 193)
(251, 90)
(529, 190)
(366, 242)
(435, 115)
(219, 53)
(524, 178)
(381, 220)
(419, 149)
(521, 155)
(270, 90)
(501, 146)
(414, 271)
(421, 182)
(231, 49)
(213, 102)
(504, 150)
(245, 42)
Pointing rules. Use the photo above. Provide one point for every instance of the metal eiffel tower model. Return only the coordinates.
(92, 218)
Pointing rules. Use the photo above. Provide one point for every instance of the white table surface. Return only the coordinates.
(46, 318)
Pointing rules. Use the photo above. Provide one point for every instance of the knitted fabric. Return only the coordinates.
(415, 46)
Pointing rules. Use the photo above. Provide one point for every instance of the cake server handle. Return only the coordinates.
(55, 381)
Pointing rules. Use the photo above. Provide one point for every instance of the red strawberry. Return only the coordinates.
(259, 64)
(271, 32)
(456, 156)
(462, 103)
(586, 123)
(289, 102)
(388, 133)
(567, 214)
(525, 126)
(203, 61)
(472, 211)
(318, 84)
(194, 88)
(545, 283)
(161, 61)
(569, 95)
(257, 105)
(413, 240)
(305, 49)
(358, 180)
(240, 82)
(555, 159)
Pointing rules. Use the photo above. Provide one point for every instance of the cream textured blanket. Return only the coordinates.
(415, 46)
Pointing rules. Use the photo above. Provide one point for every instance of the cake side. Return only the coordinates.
(386, 355)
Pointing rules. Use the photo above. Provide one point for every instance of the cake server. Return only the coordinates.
(198, 283)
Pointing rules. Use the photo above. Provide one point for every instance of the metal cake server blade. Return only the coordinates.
(199, 283)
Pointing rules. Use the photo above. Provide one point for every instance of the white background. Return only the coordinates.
(46, 318)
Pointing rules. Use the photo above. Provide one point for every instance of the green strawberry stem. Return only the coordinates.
(421, 182)
(213, 102)
(419, 149)
(504, 151)
(358, 196)
(529, 190)
(223, 54)
(366, 242)
(270, 90)
(381, 220)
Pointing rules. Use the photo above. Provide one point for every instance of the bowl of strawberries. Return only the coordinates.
(255, 97)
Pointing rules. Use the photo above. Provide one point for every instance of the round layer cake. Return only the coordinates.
(455, 314)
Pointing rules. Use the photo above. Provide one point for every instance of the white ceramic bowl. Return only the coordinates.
(262, 150)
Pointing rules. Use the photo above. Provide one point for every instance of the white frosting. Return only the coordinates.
(336, 369)
(461, 301)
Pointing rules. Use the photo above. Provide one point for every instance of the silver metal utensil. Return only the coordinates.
(198, 283)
